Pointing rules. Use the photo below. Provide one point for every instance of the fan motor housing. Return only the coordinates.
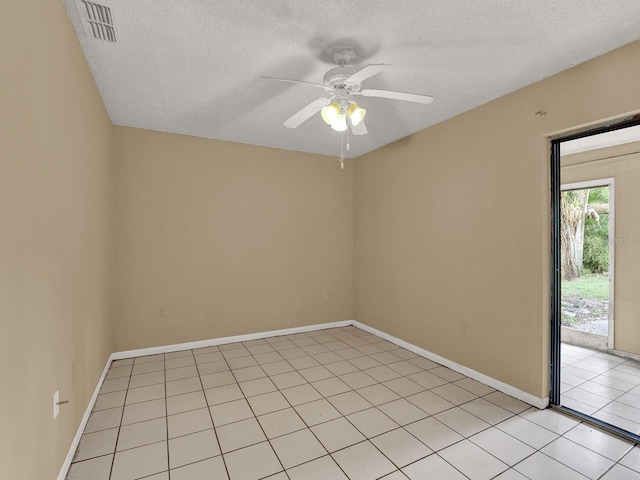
(335, 78)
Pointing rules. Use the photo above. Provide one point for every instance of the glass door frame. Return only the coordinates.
(556, 298)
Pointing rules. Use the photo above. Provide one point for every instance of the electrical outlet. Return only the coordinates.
(163, 312)
(328, 296)
(464, 328)
(56, 406)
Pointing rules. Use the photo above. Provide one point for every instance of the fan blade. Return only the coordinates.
(407, 97)
(288, 80)
(360, 129)
(306, 112)
(366, 72)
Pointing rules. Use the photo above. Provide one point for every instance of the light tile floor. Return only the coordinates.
(602, 385)
(331, 404)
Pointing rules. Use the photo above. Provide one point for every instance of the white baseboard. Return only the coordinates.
(620, 353)
(492, 382)
(83, 423)
(480, 377)
(221, 341)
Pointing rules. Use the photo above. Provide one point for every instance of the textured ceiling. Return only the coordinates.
(194, 66)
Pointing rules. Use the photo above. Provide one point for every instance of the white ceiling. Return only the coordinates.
(194, 66)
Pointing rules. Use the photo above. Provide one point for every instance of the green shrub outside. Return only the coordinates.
(595, 256)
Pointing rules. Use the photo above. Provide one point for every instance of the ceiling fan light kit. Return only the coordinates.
(335, 114)
(356, 114)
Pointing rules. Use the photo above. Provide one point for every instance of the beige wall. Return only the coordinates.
(55, 199)
(229, 238)
(622, 163)
(452, 223)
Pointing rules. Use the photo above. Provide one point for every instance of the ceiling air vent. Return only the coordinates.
(100, 21)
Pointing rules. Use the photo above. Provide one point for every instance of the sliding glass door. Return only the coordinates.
(595, 316)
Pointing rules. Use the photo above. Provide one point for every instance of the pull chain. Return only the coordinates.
(342, 152)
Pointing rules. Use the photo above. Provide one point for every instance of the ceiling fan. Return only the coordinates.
(341, 83)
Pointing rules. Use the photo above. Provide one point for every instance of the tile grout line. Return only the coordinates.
(324, 365)
(246, 399)
(309, 383)
(115, 447)
(328, 454)
(366, 438)
(428, 416)
(278, 389)
(369, 439)
(377, 382)
(617, 462)
(213, 426)
(577, 363)
(490, 425)
(166, 413)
